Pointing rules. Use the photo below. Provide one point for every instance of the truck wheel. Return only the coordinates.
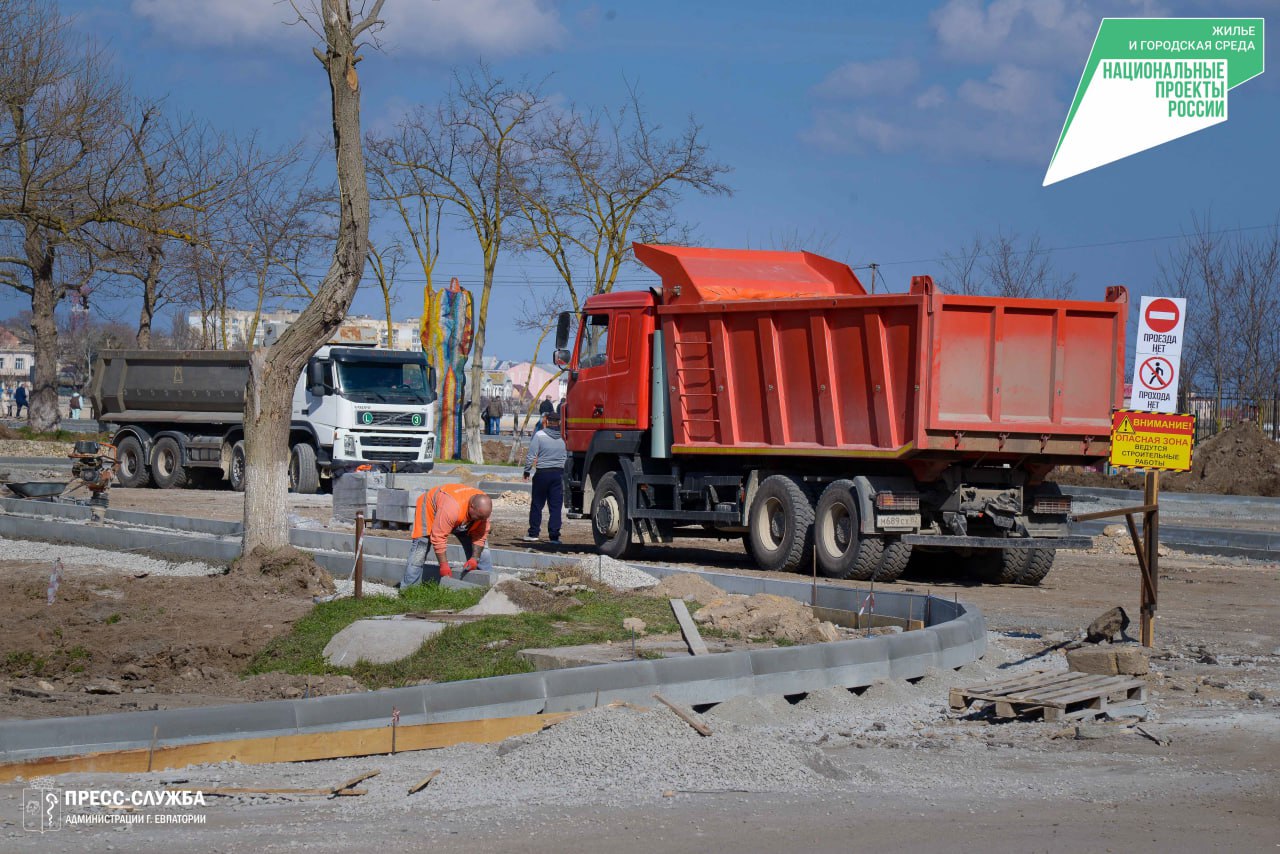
(237, 471)
(133, 471)
(304, 476)
(610, 525)
(896, 557)
(1037, 566)
(843, 552)
(1000, 566)
(166, 464)
(781, 522)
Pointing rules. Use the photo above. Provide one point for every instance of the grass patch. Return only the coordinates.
(487, 647)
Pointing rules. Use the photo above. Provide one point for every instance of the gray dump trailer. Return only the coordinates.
(177, 415)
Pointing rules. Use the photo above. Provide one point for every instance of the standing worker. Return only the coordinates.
(456, 509)
(547, 454)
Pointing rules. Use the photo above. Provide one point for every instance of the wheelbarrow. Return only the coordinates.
(38, 490)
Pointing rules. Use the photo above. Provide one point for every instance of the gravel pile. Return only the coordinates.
(34, 552)
(347, 588)
(615, 573)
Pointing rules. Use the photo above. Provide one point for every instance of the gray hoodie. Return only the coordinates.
(546, 451)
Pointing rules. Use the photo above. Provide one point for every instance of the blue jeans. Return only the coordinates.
(421, 550)
(548, 488)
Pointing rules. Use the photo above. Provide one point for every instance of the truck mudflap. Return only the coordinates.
(948, 541)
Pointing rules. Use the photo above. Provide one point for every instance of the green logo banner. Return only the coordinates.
(1152, 80)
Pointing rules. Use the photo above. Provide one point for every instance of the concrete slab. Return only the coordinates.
(559, 658)
(380, 640)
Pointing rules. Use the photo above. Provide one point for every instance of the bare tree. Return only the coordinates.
(604, 180)
(274, 370)
(60, 157)
(386, 264)
(471, 153)
(1004, 266)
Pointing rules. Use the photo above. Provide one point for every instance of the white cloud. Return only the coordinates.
(425, 27)
(934, 96)
(862, 79)
(1009, 89)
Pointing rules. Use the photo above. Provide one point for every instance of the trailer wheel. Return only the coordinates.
(1000, 566)
(133, 470)
(167, 469)
(842, 550)
(304, 476)
(896, 557)
(1037, 566)
(610, 524)
(781, 523)
(237, 471)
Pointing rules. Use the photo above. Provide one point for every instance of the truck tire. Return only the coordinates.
(896, 557)
(781, 523)
(1037, 566)
(1000, 566)
(235, 474)
(610, 522)
(304, 476)
(133, 471)
(842, 551)
(167, 469)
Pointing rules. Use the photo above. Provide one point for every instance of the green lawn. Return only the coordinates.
(472, 650)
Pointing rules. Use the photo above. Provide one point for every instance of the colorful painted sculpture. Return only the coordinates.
(446, 333)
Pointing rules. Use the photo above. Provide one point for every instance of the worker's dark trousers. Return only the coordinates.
(548, 489)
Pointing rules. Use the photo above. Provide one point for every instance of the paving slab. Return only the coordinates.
(379, 640)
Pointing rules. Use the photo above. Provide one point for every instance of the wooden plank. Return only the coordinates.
(1015, 686)
(999, 685)
(854, 620)
(287, 748)
(418, 787)
(701, 728)
(1085, 693)
(688, 628)
(350, 783)
(236, 791)
(1049, 694)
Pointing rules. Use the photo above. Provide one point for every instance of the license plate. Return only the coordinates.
(898, 520)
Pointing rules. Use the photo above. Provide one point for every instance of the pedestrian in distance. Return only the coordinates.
(547, 456)
(20, 401)
(452, 509)
(546, 407)
(75, 405)
(493, 416)
(8, 400)
(560, 409)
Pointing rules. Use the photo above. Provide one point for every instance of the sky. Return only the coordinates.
(887, 132)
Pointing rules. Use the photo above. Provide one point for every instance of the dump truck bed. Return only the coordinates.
(193, 386)
(784, 353)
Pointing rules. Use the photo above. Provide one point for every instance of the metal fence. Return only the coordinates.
(1214, 412)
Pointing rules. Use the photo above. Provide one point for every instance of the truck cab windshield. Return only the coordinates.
(368, 382)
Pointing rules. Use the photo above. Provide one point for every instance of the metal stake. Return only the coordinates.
(359, 572)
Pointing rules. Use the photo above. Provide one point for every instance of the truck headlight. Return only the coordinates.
(349, 445)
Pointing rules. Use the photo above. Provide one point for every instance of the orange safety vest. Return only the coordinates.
(425, 517)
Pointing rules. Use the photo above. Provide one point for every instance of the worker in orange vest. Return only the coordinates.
(456, 509)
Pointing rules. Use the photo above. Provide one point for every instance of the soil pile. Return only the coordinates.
(1241, 460)
(689, 587)
(766, 616)
(282, 571)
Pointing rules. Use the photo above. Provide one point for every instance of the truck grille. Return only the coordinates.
(392, 441)
(391, 419)
(389, 456)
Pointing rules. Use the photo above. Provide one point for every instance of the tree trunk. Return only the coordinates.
(148, 311)
(274, 370)
(42, 406)
(471, 415)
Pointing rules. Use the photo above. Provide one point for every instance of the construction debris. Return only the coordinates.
(1109, 627)
(422, 784)
(766, 616)
(684, 715)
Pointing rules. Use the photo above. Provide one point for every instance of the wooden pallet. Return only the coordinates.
(1055, 696)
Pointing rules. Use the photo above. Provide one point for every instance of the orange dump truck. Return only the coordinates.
(767, 396)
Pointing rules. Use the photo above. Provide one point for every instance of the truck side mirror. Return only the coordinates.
(431, 384)
(561, 358)
(315, 378)
(562, 333)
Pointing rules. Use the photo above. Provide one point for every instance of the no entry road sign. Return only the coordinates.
(1161, 321)
(1162, 315)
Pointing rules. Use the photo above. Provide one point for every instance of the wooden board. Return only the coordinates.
(286, 748)
(688, 628)
(1055, 696)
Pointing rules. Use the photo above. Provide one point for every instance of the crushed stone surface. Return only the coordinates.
(125, 562)
(614, 573)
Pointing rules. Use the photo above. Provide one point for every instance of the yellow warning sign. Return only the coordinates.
(1152, 440)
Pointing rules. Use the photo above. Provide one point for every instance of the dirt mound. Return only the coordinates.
(690, 587)
(6, 433)
(285, 570)
(1241, 460)
(531, 598)
(766, 616)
